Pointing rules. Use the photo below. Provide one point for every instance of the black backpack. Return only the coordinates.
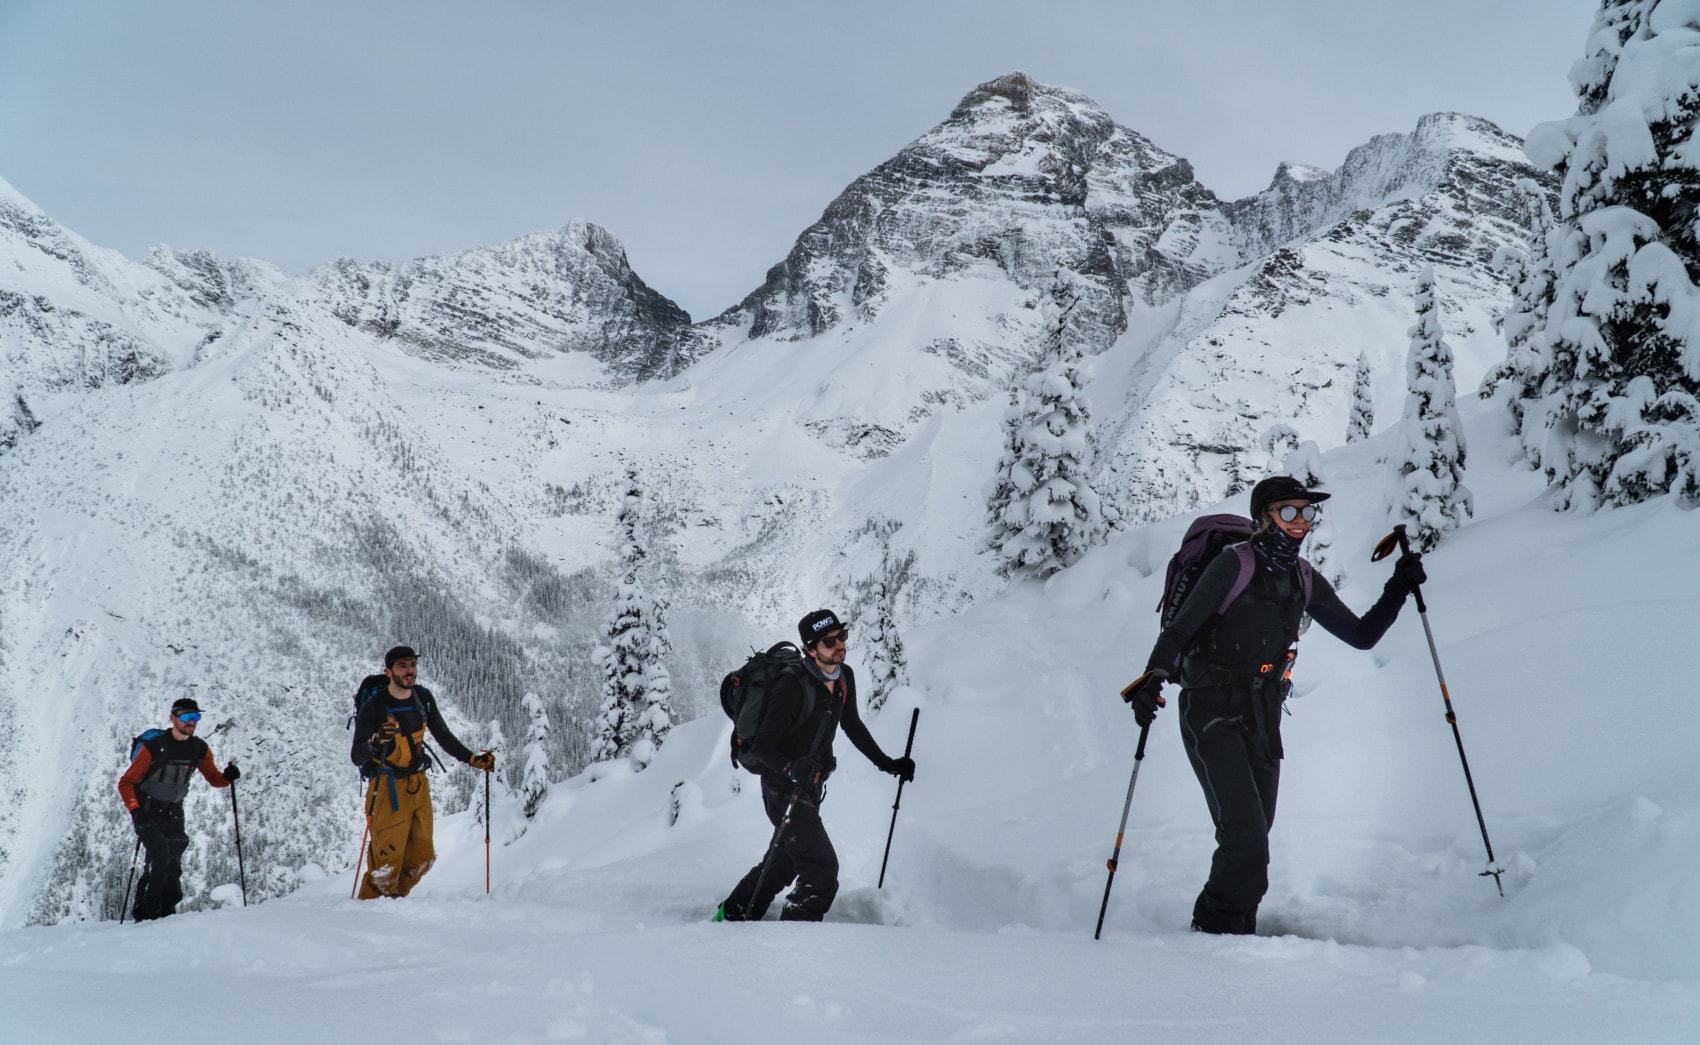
(744, 693)
(1206, 538)
(370, 686)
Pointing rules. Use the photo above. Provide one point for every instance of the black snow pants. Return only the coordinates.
(164, 839)
(804, 855)
(1232, 736)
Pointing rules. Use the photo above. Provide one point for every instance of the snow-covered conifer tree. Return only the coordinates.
(1361, 421)
(1527, 348)
(1609, 389)
(636, 713)
(1040, 507)
(884, 657)
(534, 781)
(1425, 488)
(1278, 442)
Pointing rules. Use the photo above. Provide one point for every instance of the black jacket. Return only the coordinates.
(1263, 623)
(778, 742)
(413, 716)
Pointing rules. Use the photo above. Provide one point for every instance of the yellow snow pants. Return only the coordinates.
(401, 850)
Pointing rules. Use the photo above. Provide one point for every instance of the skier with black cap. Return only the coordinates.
(794, 765)
(153, 789)
(1230, 662)
(389, 748)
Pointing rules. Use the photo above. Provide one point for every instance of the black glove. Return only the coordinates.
(485, 760)
(828, 765)
(1409, 570)
(136, 819)
(231, 773)
(802, 771)
(383, 741)
(1145, 696)
(902, 768)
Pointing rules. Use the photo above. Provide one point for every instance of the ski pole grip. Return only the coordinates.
(1405, 549)
(914, 720)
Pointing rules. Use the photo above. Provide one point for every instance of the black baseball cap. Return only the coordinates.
(398, 653)
(818, 623)
(1282, 488)
(184, 704)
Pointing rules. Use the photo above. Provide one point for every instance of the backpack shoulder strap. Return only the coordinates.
(154, 741)
(1307, 574)
(1247, 565)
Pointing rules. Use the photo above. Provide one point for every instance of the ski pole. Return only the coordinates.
(1116, 854)
(1385, 548)
(486, 832)
(130, 881)
(241, 873)
(914, 717)
(359, 857)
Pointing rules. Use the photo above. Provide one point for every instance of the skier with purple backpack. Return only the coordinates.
(1234, 600)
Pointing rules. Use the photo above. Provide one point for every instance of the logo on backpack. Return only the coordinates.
(744, 694)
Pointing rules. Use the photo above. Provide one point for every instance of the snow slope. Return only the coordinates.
(1565, 641)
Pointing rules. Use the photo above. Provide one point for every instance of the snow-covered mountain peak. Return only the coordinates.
(1017, 104)
(1295, 173)
(1302, 202)
(564, 290)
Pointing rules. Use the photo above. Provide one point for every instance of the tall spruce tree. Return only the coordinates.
(636, 713)
(1041, 510)
(1527, 348)
(1425, 487)
(883, 653)
(534, 778)
(1607, 377)
(1361, 421)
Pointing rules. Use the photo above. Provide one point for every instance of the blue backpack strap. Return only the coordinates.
(1242, 581)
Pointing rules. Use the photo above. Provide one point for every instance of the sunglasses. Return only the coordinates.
(190, 717)
(832, 641)
(1290, 512)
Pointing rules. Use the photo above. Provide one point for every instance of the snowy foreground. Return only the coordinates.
(1569, 645)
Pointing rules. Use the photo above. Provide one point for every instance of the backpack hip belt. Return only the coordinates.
(1275, 671)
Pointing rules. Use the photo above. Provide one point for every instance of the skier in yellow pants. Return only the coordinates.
(392, 716)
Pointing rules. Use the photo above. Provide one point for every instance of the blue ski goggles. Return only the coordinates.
(190, 717)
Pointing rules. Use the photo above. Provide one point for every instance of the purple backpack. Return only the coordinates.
(1205, 538)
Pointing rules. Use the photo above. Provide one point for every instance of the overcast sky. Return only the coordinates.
(705, 136)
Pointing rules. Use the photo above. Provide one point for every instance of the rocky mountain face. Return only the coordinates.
(219, 478)
(570, 290)
(1329, 260)
(1020, 176)
(1467, 158)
